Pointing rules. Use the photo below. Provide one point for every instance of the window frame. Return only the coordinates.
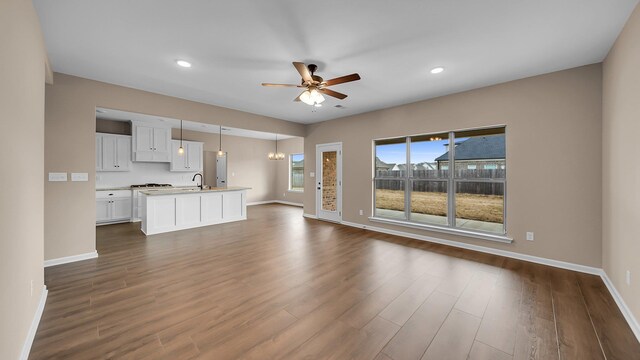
(290, 167)
(452, 180)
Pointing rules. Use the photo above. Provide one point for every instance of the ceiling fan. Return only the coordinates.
(315, 85)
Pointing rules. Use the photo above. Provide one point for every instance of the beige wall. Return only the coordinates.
(621, 174)
(22, 77)
(288, 147)
(553, 157)
(70, 146)
(247, 162)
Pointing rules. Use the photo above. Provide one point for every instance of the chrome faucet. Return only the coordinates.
(201, 180)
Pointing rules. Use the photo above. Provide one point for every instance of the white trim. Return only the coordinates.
(483, 249)
(624, 309)
(310, 216)
(70, 259)
(275, 202)
(260, 202)
(288, 203)
(454, 231)
(26, 347)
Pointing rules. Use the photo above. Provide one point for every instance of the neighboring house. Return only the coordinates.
(477, 153)
(383, 166)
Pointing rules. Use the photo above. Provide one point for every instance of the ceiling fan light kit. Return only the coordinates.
(315, 85)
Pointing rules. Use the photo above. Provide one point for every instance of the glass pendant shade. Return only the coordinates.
(180, 150)
(305, 97)
(311, 97)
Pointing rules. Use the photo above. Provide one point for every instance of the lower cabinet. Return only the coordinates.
(113, 206)
(164, 213)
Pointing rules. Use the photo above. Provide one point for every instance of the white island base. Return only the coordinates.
(171, 210)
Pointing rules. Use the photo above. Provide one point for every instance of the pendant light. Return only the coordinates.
(277, 155)
(180, 149)
(220, 152)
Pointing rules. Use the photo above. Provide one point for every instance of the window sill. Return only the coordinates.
(461, 232)
(295, 191)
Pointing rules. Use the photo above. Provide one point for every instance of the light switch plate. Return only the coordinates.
(530, 236)
(312, 174)
(79, 177)
(57, 176)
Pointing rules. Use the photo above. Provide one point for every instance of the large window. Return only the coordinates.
(296, 172)
(415, 183)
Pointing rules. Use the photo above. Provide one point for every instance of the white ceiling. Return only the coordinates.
(236, 45)
(111, 114)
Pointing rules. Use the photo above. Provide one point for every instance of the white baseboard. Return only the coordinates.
(483, 249)
(274, 202)
(259, 202)
(626, 312)
(70, 259)
(26, 347)
(288, 203)
(310, 216)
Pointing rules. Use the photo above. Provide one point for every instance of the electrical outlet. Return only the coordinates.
(529, 235)
(284, 194)
(31, 287)
(361, 212)
(628, 278)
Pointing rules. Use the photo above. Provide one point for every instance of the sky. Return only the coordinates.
(423, 151)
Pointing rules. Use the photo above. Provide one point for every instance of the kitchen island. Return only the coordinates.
(165, 210)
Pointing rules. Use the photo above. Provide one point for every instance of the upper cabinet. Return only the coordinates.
(151, 143)
(190, 160)
(113, 152)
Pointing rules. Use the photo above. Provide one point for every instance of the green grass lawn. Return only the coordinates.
(487, 208)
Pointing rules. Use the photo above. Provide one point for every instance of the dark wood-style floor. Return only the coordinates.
(282, 286)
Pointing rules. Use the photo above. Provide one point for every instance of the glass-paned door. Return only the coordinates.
(329, 182)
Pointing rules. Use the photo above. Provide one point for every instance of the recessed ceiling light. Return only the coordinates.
(437, 70)
(183, 63)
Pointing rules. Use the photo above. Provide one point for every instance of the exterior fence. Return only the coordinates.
(297, 178)
(436, 181)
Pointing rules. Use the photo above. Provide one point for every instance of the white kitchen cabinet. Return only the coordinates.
(190, 160)
(103, 210)
(178, 210)
(113, 206)
(113, 152)
(151, 142)
(98, 152)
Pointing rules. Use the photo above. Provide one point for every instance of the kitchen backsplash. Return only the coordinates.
(142, 173)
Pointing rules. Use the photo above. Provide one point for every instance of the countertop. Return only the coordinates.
(189, 190)
(115, 188)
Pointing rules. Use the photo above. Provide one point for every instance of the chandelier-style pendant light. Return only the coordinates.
(277, 155)
(180, 149)
(220, 152)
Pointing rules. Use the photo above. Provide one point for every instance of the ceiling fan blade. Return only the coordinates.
(335, 94)
(281, 85)
(304, 72)
(298, 98)
(342, 79)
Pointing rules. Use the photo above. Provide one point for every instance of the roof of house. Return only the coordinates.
(382, 164)
(478, 148)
